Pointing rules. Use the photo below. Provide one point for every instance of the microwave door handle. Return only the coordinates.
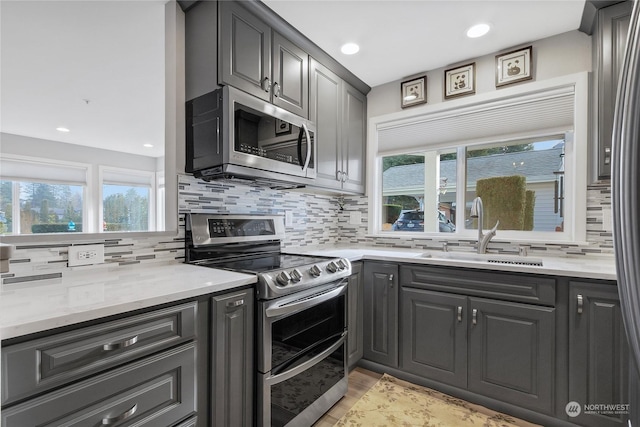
(308, 159)
(300, 162)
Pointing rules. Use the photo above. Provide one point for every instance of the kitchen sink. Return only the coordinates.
(485, 258)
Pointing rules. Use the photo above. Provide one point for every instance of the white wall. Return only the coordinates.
(555, 56)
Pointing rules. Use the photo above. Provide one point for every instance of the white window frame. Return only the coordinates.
(576, 149)
(29, 162)
(133, 178)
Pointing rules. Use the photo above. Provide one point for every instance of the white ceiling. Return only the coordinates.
(56, 54)
(399, 38)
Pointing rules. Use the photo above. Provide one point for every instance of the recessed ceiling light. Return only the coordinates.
(62, 129)
(148, 145)
(349, 48)
(478, 30)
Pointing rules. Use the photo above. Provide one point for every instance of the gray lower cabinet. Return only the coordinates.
(511, 352)
(155, 391)
(339, 111)
(434, 335)
(498, 349)
(232, 375)
(355, 303)
(254, 58)
(381, 313)
(598, 356)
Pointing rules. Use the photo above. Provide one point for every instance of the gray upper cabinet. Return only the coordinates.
(339, 111)
(381, 313)
(609, 42)
(231, 338)
(355, 315)
(258, 60)
(598, 356)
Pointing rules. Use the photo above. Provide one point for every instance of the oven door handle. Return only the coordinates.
(275, 379)
(286, 307)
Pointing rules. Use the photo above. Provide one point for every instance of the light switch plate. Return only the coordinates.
(288, 219)
(86, 255)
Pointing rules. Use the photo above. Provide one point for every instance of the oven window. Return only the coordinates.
(294, 395)
(300, 331)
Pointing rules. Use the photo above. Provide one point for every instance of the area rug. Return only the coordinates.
(394, 402)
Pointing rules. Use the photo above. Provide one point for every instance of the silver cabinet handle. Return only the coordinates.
(236, 303)
(339, 176)
(607, 155)
(345, 177)
(391, 280)
(459, 313)
(123, 416)
(474, 316)
(266, 84)
(276, 89)
(121, 344)
(580, 303)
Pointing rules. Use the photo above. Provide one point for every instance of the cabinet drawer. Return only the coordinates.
(156, 391)
(505, 286)
(38, 365)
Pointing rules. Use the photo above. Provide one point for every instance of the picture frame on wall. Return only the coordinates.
(413, 92)
(514, 66)
(460, 81)
(282, 127)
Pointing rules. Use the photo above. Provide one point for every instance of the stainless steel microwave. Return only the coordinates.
(233, 134)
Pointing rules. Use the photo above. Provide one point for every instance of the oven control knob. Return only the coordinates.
(341, 264)
(332, 267)
(283, 278)
(315, 271)
(295, 275)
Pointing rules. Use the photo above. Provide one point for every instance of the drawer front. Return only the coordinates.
(504, 286)
(156, 391)
(38, 365)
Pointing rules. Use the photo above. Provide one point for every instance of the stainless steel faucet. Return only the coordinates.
(477, 210)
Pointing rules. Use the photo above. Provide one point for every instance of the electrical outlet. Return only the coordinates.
(86, 255)
(288, 219)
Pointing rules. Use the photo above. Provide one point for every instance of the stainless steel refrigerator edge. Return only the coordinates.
(625, 179)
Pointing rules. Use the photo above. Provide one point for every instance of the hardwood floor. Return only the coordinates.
(360, 381)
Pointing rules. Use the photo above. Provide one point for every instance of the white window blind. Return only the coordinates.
(40, 171)
(127, 177)
(550, 111)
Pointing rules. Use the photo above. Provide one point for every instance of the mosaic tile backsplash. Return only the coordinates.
(317, 219)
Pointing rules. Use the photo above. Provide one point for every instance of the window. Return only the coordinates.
(520, 182)
(128, 199)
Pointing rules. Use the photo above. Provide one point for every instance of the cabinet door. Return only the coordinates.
(434, 335)
(245, 50)
(232, 352)
(598, 354)
(355, 316)
(353, 139)
(511, 352)
(290, 88)
(325, 109)
(381, 313)
(611, 41)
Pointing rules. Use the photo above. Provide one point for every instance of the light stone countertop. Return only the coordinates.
(590, 267)
(30, 307)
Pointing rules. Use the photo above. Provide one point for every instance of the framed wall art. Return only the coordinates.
(460, 81)
(413, 92)
(515, 66)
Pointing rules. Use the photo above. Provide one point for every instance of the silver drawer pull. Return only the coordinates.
(459, 313)
(580, 304)
(236, 303)
(123, 416)
(121, 344)
(391, 280)
(474, 316)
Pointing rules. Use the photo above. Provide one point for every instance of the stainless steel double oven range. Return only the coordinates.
(301, 317)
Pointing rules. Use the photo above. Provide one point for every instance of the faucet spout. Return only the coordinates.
(477, 211)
